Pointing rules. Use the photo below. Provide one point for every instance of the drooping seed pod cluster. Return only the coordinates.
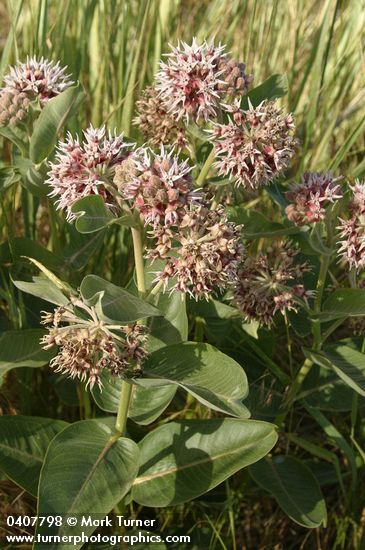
(309, 198)
(87, 346)
(255, 146)
(265, 285)
(86, 168)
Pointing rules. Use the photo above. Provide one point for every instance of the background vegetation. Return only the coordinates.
(113, 48)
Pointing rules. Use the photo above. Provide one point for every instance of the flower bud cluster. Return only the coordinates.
(265, 285)
(156, 123)
(256, 145)
(13, 107)
(157, 185)
(86, 168)
(310, 197)
(87, 346)
(352, 230)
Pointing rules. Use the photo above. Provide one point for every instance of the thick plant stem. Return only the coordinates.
(138, 259)
(124, 401)
(205, 169)
(316, 331)
(127, 388)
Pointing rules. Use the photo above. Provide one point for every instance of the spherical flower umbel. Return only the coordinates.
(87, 346)
(13, 107)
(157, 125)
(207, 254)
(310, 197)
(195, 78)
(86, 168)
(158, 185)
(262, 286)
(256, 145)
(352, 230)
(38, 79)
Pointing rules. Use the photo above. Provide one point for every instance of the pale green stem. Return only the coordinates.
(127, 388)
(124, 401)
(205, 169)
(316, 330)
(138, 259)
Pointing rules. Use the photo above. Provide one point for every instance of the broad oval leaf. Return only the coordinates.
(182, 460)
(43, 288)
(51, 120)
(346, 302)
(23, 445)
(215, 379)
(21, 348)
(172, 328)
(294, 487)
(115, 303)
(87, 470)
(346, 362)
(92, 214)
(147, 404)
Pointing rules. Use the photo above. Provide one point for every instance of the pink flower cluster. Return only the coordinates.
(196, 77)
(310, 197)
(264, 285)
(157, 185)
(255, 146)
(352, 230)
(86, 168)
(38, 79)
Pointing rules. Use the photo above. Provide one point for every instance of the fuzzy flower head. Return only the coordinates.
(86, 168)
(87, 346)
(38, 79)
(202, 254)
(157, 125)
(265, 285)
(158, 185)
(352, 230)
(310, 197)
(196, 77)
(256, 145)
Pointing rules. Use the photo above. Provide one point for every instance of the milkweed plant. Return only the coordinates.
(189, 329)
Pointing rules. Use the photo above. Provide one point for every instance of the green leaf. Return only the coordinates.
(51, 121)
(22, 246)
(172, 328)
(346, 302)
(87, 470)
(113, 302)
(8, 176)
(294, 488)
(324, 390)
(346, 362)
(212, 377)
(257, 226)
(92, 214)
(21, 348)
(274, 87)
(24, 442)
(82, 247)
(43, 288)
(147, 404)
(182, 460)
